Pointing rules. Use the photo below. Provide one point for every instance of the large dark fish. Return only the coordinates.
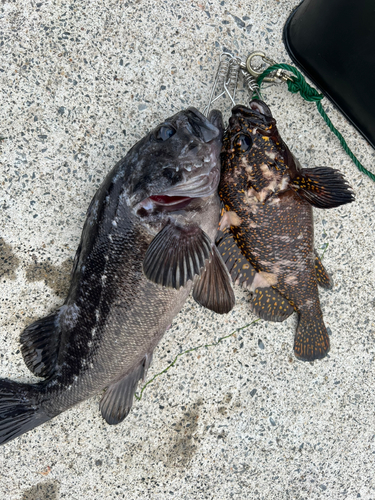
(156, 214)
(267, 197)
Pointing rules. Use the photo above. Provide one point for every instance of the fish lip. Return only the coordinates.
(258, 114)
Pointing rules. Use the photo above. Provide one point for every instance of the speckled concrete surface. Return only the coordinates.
(81, 81)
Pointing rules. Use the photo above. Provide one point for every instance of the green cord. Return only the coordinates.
(139, 397)
(299, 84)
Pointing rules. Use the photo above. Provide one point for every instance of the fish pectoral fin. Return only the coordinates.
(117, 400)
(176, 255)
(213, 288)
(323, 278)
(323, 187)
(311, 341)
(268, 304)
(39, 345)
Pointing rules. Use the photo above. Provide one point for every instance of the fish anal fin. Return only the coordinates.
(322, 187)
(118, 398)
(311, 341)
(176, 255)
(323, 278)
(213, 288)
(39, 345)
(268, 304)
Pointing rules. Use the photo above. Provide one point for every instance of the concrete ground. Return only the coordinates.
(81, 81)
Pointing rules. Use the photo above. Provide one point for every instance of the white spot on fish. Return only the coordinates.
(268, 174)
(291, 280)
(271, 154)
(114, 223)
(68, 316)
(229, 219)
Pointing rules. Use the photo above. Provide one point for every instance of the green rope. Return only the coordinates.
(299, 84)
(139, 397)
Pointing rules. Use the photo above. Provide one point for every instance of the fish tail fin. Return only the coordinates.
(311, 340)
(20, 409)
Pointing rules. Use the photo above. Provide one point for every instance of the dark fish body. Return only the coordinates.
(263, 185)
(150, 224)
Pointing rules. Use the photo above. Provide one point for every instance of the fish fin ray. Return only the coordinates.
(311, 341)
(39, 345)
(268, 304)
(323, 187)
(166, 259)
(117, 401)
(323, 278)
(213, 288)
(20, 409)
(240, 269)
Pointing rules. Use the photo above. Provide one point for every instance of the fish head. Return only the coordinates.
(176, 162)
(253, 144)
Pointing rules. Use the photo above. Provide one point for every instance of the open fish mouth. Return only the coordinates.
(170, 203)
(179, 197)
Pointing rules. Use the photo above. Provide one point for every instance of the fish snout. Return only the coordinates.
(203, 128)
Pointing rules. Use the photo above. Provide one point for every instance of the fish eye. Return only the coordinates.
(164, 133)
(243, 142)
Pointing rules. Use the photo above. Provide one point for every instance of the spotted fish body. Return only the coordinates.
(148, 237)
(268, 200)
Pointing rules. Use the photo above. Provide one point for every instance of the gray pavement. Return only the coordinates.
(81, 81)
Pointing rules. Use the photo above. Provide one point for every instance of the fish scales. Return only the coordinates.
(272, 197)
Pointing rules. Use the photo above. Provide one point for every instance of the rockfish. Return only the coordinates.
(266, 234)
(147, 241)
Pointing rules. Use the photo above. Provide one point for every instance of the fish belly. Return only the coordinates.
(277, 238)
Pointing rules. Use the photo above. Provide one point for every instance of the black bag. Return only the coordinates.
(333, 42)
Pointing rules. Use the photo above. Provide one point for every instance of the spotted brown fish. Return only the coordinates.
(268, 197)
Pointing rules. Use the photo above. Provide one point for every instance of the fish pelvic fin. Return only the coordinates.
(240, 269)
(323, 279)
(311, 341)
(20, 409)
(39, 345)
(322, 187)
(176, 255)
(117, 401)
(213, 288)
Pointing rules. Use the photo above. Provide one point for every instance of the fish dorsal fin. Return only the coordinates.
(323, 278)
(176, 255)
(322, 187)
(266, 302)
(39, 345)
(213, 288)
(118, 398)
